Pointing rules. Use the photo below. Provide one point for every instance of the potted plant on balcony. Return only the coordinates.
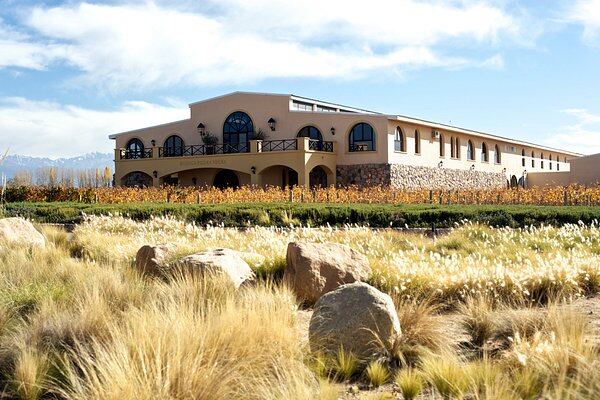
(259, 135)
(210, 141)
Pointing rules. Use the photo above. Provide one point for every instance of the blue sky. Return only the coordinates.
(73, 72)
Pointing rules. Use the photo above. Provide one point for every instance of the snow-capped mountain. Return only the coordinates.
(14, 163)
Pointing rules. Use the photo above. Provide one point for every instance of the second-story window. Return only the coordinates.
(399, 142)
(484, 152)
(470, 151)
(417, 142)
(173, 146)
(497, 155)
(134, 149)
(361, 138)
(442, 146)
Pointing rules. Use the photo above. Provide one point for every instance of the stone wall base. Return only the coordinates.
(415, 177)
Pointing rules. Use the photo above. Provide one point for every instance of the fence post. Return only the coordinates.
(291, 196)
(430, 196)
(198, 199)
(168, 197)
(441, 197)
(301, 197)
(565, 197)
(498, 199)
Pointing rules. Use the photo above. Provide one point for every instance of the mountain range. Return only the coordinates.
(14, 163)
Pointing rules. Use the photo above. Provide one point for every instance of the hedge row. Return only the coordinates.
(280, 214)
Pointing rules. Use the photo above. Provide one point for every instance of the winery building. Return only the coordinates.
(283, 140)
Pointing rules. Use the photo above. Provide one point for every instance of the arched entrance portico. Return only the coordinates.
(136, 179)
(226, 178)
(317, 177)
(279, 175)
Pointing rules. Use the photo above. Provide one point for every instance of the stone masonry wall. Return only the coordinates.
(413, 177)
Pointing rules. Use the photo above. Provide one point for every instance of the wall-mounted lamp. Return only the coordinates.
(440, 164)
(524, 172)
(504, 170)
(253, 170)
(201, 129)
(272, 123)
(155, 174)
(332, 130)
(472, 167)
(153, 142)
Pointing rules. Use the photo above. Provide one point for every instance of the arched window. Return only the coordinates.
(457, 151)
(237, 131)
(523, 157)
(542, 161)
(484, 152)
(362, 138)
(497, 155)
(173, 146)
(442, 146)
(470, 151)
(452, 147)
(417, 142)
(399, 141)
(550, 163)
(310, 132)
(134, 149)
(532, 159)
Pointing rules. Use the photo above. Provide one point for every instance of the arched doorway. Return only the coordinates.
(136, 179)
(514, 182)
(317, 177)
(226, 178)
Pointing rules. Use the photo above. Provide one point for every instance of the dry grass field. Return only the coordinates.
(485, 314)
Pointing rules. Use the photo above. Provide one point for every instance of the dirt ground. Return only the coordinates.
(349, 391)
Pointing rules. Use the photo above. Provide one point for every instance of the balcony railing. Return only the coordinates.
(203, 149)
(136, 154)
(229, 148)
(280, 145)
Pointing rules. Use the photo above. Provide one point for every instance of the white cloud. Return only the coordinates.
(49, 129)
(587, 13)
(17, 50)
(235, 41)
(583, 136)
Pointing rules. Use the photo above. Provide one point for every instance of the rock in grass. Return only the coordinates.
(153, 260)
(356, 318)
(219, 261)
(19, 230)
(314, 269)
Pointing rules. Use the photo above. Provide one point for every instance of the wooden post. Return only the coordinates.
(430, 196)
(198, 199)
(565, 197)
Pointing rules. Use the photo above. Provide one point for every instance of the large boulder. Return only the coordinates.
(153, 260)
(356, 318)
(19, 230)
(224, 261)
(314, 269)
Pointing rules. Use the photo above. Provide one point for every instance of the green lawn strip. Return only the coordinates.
(314, 214)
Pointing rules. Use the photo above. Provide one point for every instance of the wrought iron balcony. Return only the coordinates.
(260, 146)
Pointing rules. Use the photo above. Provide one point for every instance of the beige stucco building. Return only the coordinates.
(281, 140)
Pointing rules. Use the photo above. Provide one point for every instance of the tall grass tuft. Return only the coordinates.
(377, 373)
(410, 382)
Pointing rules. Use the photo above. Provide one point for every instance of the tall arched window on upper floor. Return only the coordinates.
(484, 152)
(542, 161)
(457, 151)
(173, 146)
(532, 159)
(550, 161)
(497, 155)
(442, 146)
(417, 142)
(310, 132)
(452, 147)
(361, 138)
(470, 151)
(523, 157)
(134, 149)
(237, 131)
(399, 140)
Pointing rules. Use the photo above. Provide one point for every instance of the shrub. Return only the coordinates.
(410, 382)
(377, 373)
